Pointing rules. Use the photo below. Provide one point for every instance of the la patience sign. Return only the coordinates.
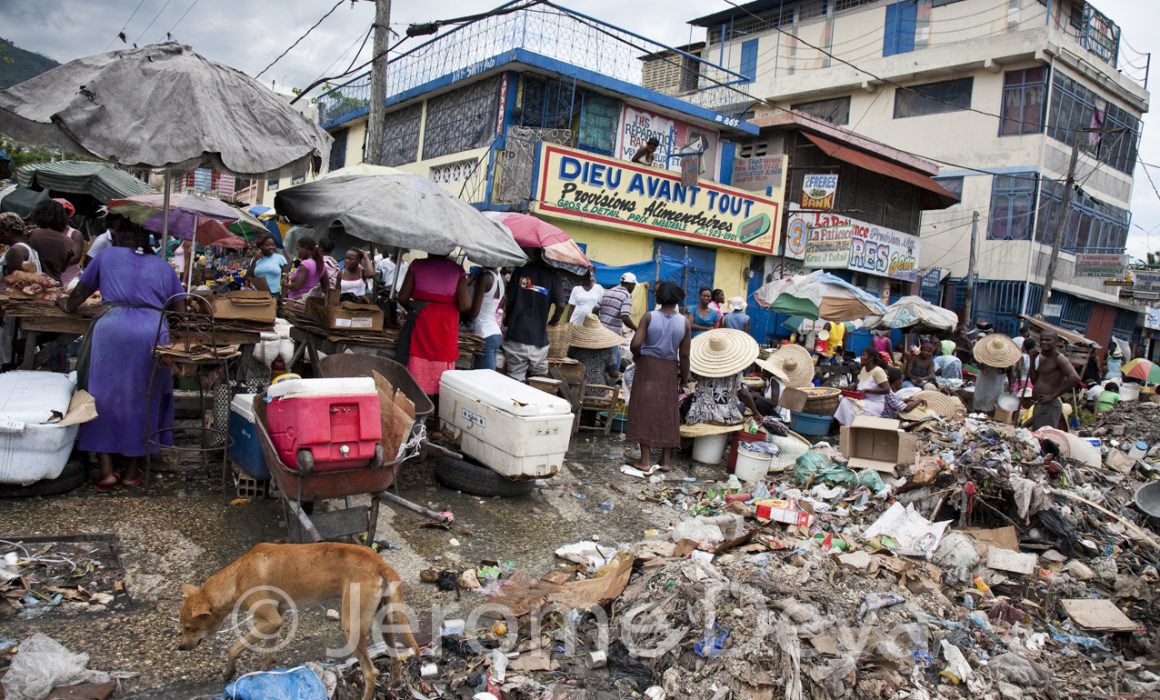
(597, 189)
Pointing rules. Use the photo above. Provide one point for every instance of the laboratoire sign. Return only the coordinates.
(824, 240)
(598, 189)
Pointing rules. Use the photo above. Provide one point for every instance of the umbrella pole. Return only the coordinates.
(165, 216)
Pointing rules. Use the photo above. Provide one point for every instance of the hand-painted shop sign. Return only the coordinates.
(1152, 318)
(1100, 264)
(757, 173)
(826, 240)
(818, 191)
(593, 188)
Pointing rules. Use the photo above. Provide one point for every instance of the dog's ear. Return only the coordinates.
(199, 607)
(188, 589)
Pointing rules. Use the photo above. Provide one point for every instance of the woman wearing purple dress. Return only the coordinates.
(135, 285)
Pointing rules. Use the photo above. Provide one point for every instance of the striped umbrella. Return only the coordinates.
(1141, 369)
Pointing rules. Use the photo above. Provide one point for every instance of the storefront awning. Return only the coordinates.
(935, 196)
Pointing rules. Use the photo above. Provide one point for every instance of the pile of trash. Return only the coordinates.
(36, 577)
(990, 562)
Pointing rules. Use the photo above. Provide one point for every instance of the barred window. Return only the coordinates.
(462, 119)
(401, 135)
(933, 98)
(1012, 207)
(599, 117)
(1076, 117)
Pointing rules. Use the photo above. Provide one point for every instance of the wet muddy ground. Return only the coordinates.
(181, 531)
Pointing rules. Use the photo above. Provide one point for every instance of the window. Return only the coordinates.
(599, 117)
(1092, 225)
(749, 60)
(1012, 207)
(401, 135)
(462, 119)
(901, 22)
(1023, 101)
(940, 3)
(338, 150)
(1078, 113)
(835, 110)
(840, 5)
(933, 98)
(954, 185)
(809, 10)
(298, 178)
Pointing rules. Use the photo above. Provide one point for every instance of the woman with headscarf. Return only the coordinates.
(136, 286)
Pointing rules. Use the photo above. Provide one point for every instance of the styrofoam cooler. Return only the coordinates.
(31, 448)
(518, 431)
(337, 421)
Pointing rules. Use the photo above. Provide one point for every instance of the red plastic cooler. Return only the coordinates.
(326, 424)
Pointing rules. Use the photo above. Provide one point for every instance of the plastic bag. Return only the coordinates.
(41, 664)
(300, 683)
(871, 480)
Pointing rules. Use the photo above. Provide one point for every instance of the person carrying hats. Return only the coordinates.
(718, 358)
(591, 343)
(791, 367)
(997, 356)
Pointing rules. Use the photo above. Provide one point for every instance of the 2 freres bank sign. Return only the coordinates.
(578, 185)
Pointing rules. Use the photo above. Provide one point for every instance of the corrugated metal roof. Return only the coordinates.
(99, 180)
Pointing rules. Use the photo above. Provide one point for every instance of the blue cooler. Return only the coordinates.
(246, 450)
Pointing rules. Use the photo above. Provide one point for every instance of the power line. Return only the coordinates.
(152, 21)
(182, 17)
(299, 39)
(342, 55)
(121, 34)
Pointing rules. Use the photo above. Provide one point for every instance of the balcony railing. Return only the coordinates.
(572, 38)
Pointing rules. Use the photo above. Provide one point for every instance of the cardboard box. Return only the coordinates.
(246, 305)
(876, 443)
(793, 399)
(347, 316)
(783, 511)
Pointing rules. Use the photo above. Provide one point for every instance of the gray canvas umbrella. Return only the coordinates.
(162, 106)
(399, 210)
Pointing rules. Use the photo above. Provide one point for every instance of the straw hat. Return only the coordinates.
(935, 401)
(722, 352)
(697, 430)
(792, 364)
(592, 335)
(997, 350)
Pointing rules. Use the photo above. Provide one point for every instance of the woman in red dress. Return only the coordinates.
(440, 287)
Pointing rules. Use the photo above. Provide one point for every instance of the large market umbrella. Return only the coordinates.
(399, 210)
(532, 232)
(819, 295)
(1141, 369)
(98, 180)
(916, 311)
(162, 106)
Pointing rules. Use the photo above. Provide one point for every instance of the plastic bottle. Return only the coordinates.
(1138, 450)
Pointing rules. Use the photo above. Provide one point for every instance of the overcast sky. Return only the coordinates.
(249, 34)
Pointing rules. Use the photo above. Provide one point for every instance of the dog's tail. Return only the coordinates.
(396, 608)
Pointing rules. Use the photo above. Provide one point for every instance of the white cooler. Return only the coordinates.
(518, 431)
(32, 448)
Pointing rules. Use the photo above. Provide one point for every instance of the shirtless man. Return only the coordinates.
(1053, 375)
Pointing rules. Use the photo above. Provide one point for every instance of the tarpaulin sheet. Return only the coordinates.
(645, 271)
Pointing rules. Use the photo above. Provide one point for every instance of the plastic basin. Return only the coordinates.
(619, 421)
(810, 424)
(1148, 499)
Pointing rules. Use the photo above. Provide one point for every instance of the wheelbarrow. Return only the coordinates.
(300, 487)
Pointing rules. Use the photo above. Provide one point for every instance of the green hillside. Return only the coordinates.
(18, 65)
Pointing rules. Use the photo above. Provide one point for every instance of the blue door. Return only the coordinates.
(698, 271)
(901, 23)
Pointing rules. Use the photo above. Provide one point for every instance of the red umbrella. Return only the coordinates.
(531, 232)
(213, 232)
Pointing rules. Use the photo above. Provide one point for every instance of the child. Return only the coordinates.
(1109, 397)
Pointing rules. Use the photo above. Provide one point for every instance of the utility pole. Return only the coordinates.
(971, 266)
(1060, 225)
(378, 107)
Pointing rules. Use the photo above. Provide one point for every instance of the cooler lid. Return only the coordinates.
(334, 386)
(34, 397)
(243, 405)
(504, 393)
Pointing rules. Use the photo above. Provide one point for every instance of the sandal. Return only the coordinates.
(105, 486)
(133, 483)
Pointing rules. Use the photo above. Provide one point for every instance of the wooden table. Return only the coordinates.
(74, 327)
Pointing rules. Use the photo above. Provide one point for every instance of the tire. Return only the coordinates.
(478, 480)
(73, 475)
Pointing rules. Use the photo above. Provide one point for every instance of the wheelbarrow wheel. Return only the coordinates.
(478, 480)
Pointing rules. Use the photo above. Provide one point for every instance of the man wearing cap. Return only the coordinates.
(1050, 378)
(615, 310)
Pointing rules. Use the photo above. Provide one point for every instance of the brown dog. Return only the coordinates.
(270, 578)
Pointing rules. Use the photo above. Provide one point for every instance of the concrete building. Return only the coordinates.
(997, 91)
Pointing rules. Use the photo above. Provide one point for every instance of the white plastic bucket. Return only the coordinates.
(1130, 392)
(708, 449)
(752, 466)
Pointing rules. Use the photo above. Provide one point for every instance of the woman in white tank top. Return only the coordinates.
(486, 301)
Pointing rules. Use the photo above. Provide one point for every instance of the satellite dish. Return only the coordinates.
(694, 147)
